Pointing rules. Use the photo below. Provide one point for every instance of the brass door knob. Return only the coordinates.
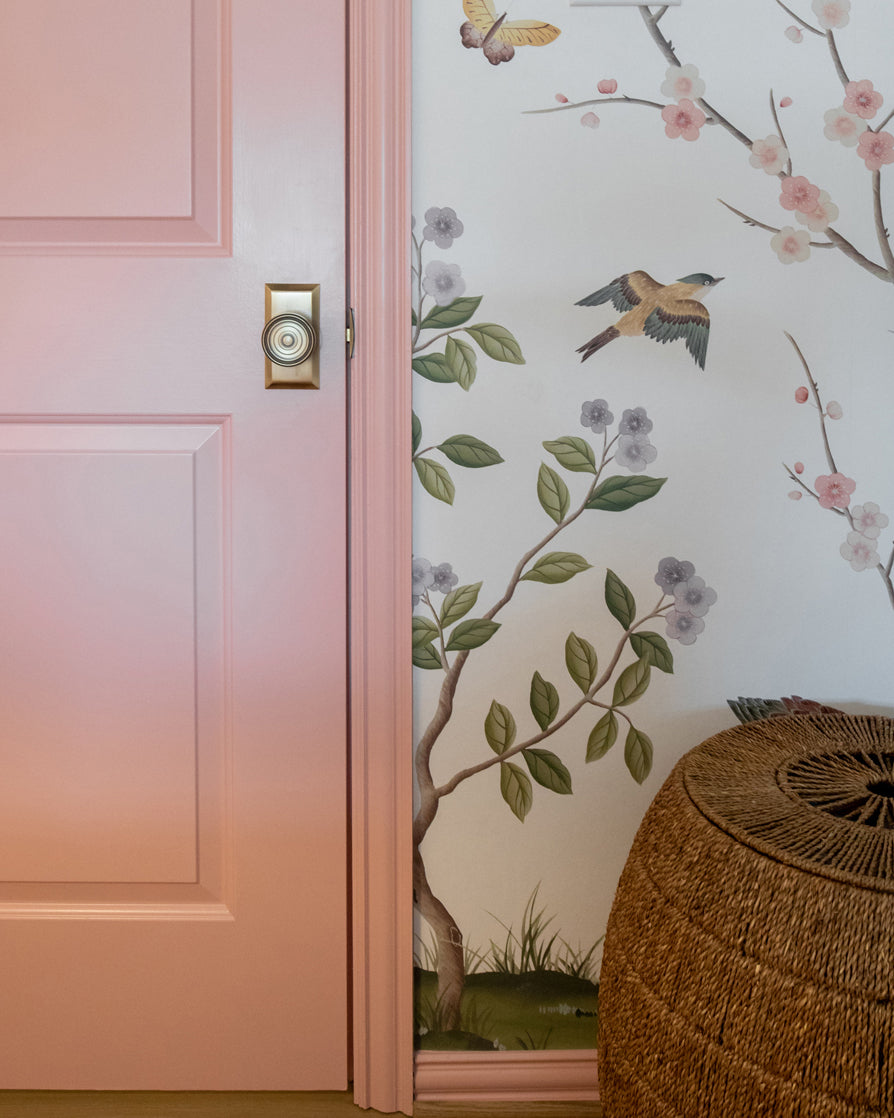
(289, 339)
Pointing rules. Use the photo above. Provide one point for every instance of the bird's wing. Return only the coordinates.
(686, 319)
(625, 292)
(527, 33)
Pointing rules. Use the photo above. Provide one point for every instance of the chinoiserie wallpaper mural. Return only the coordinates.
(653, 335)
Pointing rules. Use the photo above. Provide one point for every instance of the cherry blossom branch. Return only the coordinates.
(813, 385)
(836, 59)
(599, 101)
(884, 570)
(668, 51)
(769, 228)
(797, 18)
(779, 130)
(880, 227)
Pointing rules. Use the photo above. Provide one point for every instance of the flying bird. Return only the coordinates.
(661, 311)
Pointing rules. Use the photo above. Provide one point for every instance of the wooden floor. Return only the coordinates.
(249, 1104)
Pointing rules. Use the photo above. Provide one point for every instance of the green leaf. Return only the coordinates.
(654, 649)
(580, 659)
(424, 631)
(621, 603)
(435, 479)
(618, 493)
(556, 566)
(471, 634)
(553, 493)
(515, 787)
(466, 450)
(426, 657)
(573, 453)
(417, 432)
(497, 342)
(461, 358)
(413, 318)
(454, 314)
(458, 603)
(499, 727)
(548, 770)
(603, 736)
(433, 366)
(631, 683)
(544, 700)
(638, 754)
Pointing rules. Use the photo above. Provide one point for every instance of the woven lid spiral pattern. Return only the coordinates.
(749, 959)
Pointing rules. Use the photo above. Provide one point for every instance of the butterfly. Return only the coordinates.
(498, 37)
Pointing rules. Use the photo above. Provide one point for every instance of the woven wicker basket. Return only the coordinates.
(749, 959)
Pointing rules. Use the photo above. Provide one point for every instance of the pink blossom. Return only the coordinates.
(607, 85)
(794, 33)
(769, 155)
(799, 467)
(834, 490)
(821, 216)
(798, 194)
(832, 13)
(683, 83)
(785, 102)
(561, 98)
(590, 120)
(860, 99)
(801, 395)
(867, 519)
(843, 126)
(875, 149)
(795, 495)
(684, 119)
(859, 552)
(791, 246)
(834, 410)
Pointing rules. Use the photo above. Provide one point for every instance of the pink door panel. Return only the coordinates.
(173, 781)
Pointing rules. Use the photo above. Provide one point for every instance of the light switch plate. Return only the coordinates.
(621, 3)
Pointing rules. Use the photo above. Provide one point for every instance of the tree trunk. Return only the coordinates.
(451, 960)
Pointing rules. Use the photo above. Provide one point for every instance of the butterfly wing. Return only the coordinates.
(527, 33)
(480, 13)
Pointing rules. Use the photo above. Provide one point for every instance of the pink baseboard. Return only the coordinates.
(560, 1076)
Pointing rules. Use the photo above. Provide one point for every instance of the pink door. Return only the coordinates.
(172, 584)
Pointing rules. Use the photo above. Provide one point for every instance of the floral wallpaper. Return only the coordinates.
(651, 332)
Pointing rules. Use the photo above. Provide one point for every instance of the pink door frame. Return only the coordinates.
(380, 534)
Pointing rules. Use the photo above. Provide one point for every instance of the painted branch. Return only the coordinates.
(451, 961)
(836, 59)
(880, 227)
(769, 228)
(797, 19)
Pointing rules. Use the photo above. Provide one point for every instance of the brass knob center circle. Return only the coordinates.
(289, 339)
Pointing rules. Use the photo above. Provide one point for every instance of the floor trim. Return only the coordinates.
(561, 1076)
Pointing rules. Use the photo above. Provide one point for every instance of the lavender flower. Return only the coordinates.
(672, 571)
(423, 578)
(634, 421)
(442, 226)
(596, 415)
(693, 597)
(683, 627)
(635, 452)
(443, 282)
(443, 578)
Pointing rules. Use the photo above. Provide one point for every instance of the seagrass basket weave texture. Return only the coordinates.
(749, 957)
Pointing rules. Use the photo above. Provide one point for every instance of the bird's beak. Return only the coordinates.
(718, 279)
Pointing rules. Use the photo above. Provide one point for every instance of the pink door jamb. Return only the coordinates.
(380, 533)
